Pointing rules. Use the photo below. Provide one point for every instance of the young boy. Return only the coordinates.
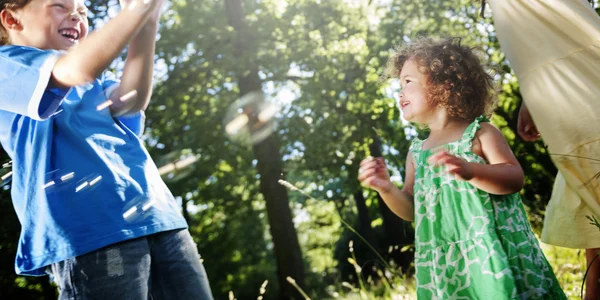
(94, 211)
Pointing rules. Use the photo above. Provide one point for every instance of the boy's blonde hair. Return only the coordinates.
(456, 78)
(9, 4)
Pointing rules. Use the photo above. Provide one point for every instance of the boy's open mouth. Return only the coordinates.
(70, 33)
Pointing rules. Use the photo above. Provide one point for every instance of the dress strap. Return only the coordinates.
(469, 134)
(416, 145)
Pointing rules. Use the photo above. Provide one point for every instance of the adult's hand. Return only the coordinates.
(525, 125)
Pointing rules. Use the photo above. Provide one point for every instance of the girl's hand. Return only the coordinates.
(462, 169)
(373, 173)
(525, 125)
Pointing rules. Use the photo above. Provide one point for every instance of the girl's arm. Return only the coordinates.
(135, 89)
(373, 173)
(86, 61)
(503, 175)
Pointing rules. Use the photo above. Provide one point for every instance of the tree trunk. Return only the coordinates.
(364, 254)
(285, 240)
(364, 220)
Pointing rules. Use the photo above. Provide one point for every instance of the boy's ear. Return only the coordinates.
(9, 20)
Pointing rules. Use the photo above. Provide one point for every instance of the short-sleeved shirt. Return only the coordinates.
(82, 179)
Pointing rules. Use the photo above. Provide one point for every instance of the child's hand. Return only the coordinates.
(455, 165)
(157, 12)
(155, 6)
(373, 173)
(132, 4)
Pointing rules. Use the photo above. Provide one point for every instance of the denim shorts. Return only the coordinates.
(164, 265)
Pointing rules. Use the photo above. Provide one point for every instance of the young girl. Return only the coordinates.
(473, 239)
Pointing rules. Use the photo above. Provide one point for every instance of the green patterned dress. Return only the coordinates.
(471, 244)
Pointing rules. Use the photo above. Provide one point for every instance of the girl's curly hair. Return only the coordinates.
(456, 78)
(9, 4)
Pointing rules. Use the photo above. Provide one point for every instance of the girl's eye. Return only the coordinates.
(59, 5)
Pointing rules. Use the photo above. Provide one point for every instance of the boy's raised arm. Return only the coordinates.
(86, 61)
(133, 94)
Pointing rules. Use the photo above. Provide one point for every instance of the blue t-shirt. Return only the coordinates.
(82, 179)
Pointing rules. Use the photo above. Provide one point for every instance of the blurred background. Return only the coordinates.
(252, 92)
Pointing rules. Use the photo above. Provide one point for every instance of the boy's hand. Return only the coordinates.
(132, 4)
(373, 173)
(126, 4)
(157, 12)
(155, 6)
(455, 165)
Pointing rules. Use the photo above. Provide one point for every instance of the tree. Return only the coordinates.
(285, 240)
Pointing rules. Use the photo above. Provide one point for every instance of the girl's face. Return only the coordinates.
(50, 24)
(413, 95)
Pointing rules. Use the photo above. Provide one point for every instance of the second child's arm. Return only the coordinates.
(503, 175)
(373, 173)
(85, 62)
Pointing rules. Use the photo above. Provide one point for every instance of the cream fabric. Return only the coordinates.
(554, 48)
